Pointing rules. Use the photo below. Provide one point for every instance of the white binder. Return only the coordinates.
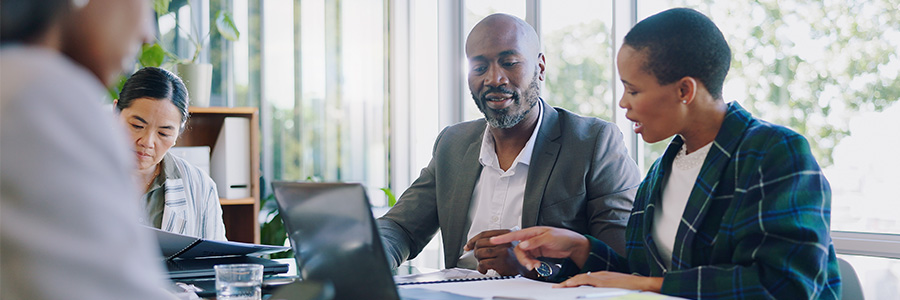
(230, 163)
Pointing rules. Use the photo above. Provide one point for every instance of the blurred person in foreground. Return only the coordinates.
(67, 221)
(178, 197)
(736, 208)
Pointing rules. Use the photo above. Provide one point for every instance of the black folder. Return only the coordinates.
(192, 257)
(175, 245)
(203, 267)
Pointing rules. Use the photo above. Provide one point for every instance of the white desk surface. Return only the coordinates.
(519, 288)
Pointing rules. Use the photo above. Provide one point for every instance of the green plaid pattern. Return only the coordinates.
(756, 225)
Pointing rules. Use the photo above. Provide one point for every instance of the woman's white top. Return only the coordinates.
(68, 224)
(679, 183)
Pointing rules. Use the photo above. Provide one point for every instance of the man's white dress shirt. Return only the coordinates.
(498, 196)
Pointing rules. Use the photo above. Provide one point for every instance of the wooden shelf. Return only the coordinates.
(202, 129)
(239, 201)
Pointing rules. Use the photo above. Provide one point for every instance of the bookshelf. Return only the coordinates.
(202, 129)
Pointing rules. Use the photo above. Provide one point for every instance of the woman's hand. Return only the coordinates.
(542, 241)
(614, 280)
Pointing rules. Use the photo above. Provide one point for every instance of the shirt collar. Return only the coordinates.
(488, 155)
(170, 171)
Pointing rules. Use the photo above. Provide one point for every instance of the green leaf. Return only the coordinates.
(152, 55)
(226, 26)
(161, 7)
(392, 200)
(117, 88)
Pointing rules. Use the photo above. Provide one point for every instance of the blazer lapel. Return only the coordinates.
(657, 179)
(543, 159)
(455, 222)
(704, 190)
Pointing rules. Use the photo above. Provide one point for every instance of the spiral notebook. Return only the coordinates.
(446, 275)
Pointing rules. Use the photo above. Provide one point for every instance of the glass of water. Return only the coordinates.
(239, 282)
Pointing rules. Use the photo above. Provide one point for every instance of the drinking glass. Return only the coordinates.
(239, 282)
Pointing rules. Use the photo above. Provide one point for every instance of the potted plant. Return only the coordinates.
(197, 76)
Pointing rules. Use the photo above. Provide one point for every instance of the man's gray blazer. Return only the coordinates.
(580, 178)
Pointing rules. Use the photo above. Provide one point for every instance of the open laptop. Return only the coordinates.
(334, 237)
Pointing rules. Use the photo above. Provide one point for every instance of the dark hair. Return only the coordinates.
(682, 42)
(156, 83)
(24, 20)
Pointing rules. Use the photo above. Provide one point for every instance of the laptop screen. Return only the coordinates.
(333, 234)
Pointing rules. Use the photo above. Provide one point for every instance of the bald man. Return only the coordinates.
(525, 164)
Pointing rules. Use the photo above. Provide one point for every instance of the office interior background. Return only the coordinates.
(357, 90)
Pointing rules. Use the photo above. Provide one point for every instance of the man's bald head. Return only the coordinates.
(505, 70)
(504, 29)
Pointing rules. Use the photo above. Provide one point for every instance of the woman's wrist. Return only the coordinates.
(653, 284)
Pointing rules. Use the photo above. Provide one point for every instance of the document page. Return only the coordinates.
(442, 275)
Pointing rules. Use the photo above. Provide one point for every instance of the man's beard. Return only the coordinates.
(510, 116)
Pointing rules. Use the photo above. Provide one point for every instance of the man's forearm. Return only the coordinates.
(396, 248)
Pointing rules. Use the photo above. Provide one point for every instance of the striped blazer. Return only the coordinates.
(756, 224)
(192, 203)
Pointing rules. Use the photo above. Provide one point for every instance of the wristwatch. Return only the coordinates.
(544, 270)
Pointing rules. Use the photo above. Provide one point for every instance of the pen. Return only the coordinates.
(604, 294)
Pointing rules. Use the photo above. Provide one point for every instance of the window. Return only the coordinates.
(829, 72)
(878, 276)
(477, 10)
(422, 125)
(578, 47)
(246, 53)
(325, 92)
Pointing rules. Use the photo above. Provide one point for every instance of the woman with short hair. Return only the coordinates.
(736, 208)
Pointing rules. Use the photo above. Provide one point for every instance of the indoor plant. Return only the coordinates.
(197, 76)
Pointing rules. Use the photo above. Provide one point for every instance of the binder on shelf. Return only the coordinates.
(230, 163)
(197, 156)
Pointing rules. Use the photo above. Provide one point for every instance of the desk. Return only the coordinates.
(519, 287)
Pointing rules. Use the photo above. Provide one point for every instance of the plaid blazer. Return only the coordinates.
(756, 224)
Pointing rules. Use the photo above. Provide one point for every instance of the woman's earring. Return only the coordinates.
(684, 101)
